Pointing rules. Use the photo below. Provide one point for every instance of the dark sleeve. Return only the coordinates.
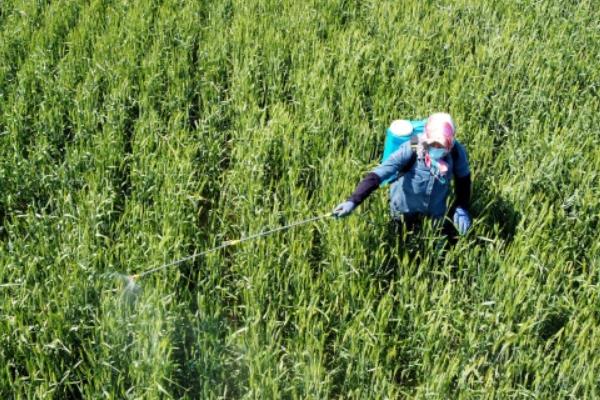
(365, 188)
(462, 187)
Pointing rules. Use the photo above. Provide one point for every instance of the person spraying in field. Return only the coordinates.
(419, 171)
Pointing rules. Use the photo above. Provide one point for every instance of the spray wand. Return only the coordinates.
(134, 277)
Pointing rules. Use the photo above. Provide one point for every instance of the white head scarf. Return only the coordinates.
(440, 129)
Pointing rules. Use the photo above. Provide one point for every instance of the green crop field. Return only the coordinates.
(134, 133)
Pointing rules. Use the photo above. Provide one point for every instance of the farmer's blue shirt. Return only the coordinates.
(418, 190)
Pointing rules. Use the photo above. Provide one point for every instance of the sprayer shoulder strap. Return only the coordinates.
(410, 163)
(414, 141)
(454, 154)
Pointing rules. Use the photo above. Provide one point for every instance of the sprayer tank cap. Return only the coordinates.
(401, 127)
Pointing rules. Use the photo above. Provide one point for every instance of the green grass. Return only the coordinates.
(136, 133)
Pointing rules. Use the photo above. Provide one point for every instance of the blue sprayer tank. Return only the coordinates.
(399, 132)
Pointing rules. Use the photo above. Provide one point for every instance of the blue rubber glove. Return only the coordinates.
(344, 209)
(462, 220)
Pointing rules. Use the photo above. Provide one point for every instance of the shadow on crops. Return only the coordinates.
(408, 239)
(496, 214)
(213, 162)
(194, 111)
(309, 179)
(27, 200)
(73, 358)
(317, 253)
(3, 234)
(201, 355)
(122, 175)
(552, 323)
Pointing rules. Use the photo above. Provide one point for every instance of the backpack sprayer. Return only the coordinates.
(131, 279)
(400, 132)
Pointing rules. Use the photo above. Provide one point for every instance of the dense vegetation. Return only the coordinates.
(134, 133)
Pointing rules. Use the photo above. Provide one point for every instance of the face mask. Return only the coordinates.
(436, 154)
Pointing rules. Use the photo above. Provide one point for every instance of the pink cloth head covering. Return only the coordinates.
(440, 129)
